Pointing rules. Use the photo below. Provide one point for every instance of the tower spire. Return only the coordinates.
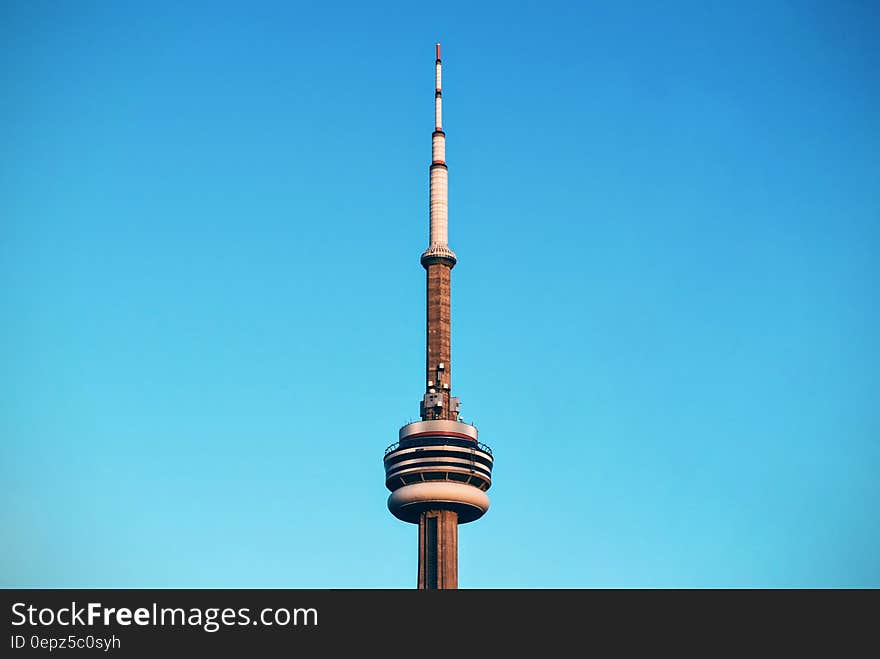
(439, 191)
(438, 260)
(438, 93)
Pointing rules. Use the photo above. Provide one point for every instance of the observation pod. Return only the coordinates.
(438, 465)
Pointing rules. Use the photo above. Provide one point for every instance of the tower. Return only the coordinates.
(437, 471)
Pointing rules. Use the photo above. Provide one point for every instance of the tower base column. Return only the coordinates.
(438, 550)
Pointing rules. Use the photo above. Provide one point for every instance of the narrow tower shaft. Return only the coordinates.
(438, 550)
(438, 402)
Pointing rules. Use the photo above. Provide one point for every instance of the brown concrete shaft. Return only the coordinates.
(439, 331)
(438, 550)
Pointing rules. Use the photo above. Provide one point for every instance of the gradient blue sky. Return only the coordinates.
(665, 316)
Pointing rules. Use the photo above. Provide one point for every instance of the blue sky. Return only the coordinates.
(665, 316)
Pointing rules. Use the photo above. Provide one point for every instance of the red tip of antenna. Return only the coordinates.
(438, 51)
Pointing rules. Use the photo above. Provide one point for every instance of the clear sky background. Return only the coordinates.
(665, 312)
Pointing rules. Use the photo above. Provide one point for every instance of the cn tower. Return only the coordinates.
(437, 471)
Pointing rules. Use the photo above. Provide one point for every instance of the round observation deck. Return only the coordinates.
(438, 465)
